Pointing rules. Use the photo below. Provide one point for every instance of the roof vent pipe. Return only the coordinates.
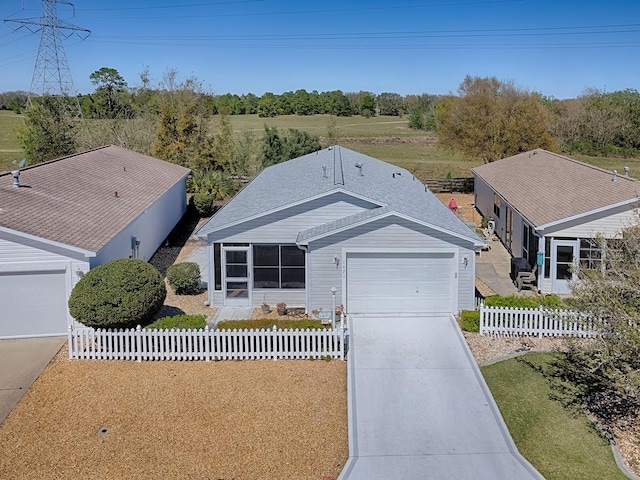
(16, 178)
(626, 171)
(359, 167)
(615, 176)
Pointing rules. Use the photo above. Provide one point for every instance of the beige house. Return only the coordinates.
(549, 208)
(61, 218)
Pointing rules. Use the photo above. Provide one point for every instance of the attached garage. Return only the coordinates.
(405, 283)
(36, 305)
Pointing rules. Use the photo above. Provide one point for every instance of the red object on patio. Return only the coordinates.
(453, 206)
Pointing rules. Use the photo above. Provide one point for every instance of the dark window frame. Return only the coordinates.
(290, 269)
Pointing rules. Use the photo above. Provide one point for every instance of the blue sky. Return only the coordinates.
(556, 47)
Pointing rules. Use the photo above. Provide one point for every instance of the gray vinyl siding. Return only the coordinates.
(516, 235)
(483, 197)
(151, 227)
(283, 226)
(273, 296)
(388, 232)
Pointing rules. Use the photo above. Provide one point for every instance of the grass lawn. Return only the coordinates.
(10, 149)
(560, 444)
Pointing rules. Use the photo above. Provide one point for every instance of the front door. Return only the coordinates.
(236, 276)
(563, 256)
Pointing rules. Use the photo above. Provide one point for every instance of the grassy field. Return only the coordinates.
(559, 443)
(10, 149)
(387, 138)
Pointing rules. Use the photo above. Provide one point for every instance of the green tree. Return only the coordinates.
(182, 136)
(223, 144)
(49, 129)
(111, 94)
(389, 104)
(277, 149)
(491, 119)
(416, 120)
(367, 104)
(268, 105)
(272, 147)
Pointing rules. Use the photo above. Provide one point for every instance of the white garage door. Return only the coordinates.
(33, 304)
(400, 283)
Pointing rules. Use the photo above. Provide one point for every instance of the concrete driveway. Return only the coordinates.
(419, 407)
(21, 362)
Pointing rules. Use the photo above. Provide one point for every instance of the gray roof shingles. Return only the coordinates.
(301, 179)
(73, 200)
(546, 187)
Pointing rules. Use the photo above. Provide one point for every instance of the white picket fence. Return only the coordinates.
(206, 344)
(534, 322)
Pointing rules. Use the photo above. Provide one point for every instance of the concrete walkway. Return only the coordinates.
(21, 362)
(493, 268)
(419, 407)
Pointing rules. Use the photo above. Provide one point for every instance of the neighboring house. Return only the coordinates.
(550, 207)
(61, 218)
(337, 218)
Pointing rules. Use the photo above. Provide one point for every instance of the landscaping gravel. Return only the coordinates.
(183, 420)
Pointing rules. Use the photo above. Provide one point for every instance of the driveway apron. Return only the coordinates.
(419, 407)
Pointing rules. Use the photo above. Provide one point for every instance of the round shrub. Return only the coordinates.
(118, 294)
(192, 322)
(203, 203)
(184, 278)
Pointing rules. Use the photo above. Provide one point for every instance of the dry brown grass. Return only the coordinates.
(183, 420)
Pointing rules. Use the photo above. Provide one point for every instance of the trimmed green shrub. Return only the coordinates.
(470, 320)
(260, 323)
(179, 322)
(203, 202)
(515, 301)
(184, 278)
(118, 294)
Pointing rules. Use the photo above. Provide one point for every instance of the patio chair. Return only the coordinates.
(528, 279)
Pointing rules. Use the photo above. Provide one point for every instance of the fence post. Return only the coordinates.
(139, 343)
(70, 340)
(481, 320)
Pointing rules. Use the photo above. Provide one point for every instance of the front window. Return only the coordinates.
(278, 266)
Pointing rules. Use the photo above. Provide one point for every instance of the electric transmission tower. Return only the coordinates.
(51, 75)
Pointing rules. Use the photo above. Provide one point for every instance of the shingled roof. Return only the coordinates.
(84, 200)
(546, 187)
(338, 169)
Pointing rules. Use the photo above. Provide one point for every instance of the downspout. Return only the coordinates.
(307, 293)
(211, 275)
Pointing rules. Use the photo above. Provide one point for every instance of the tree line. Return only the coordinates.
(179, 121)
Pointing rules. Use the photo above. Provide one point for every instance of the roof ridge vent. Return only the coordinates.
(16, 178)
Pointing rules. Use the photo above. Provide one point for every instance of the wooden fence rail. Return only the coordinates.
(534, 322)
(206, 344)
(450, 185)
